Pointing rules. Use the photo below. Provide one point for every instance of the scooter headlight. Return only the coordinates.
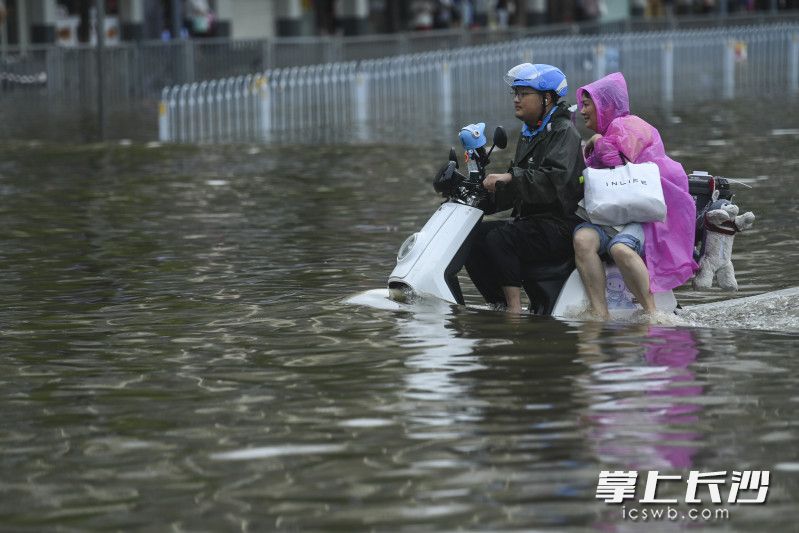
(406, 247)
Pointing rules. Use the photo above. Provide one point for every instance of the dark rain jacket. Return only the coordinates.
(546, 172)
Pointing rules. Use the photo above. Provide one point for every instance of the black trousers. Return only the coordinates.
(501, 248)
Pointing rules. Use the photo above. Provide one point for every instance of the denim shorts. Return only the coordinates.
(631, 235)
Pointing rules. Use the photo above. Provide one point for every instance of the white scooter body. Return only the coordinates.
(422, 268)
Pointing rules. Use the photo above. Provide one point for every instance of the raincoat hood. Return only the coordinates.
(610, 98)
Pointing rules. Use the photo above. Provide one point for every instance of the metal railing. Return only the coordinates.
(432, 91)
(53, 91)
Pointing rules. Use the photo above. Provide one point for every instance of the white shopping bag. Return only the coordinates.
(627, 193)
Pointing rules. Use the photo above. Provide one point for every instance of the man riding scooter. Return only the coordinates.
(542, 186)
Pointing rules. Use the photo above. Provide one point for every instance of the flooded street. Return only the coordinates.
(177, 353)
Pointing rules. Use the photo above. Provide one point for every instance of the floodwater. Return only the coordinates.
(176, 353)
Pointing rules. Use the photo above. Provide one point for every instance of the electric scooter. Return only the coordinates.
(429, 260)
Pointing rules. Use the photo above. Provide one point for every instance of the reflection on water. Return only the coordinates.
(639, 412)
(442, 353)
(177, 351)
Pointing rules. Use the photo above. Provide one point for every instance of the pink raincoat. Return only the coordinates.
(669, 245)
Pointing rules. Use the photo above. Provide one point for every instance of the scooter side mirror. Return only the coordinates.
(500, 141)
(453, 156)
(500, 138)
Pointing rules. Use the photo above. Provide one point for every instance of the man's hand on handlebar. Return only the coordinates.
(491, 181)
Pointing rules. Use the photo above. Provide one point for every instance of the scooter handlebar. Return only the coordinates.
(447, 180)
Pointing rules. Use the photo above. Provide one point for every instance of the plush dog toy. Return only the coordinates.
(721, 222)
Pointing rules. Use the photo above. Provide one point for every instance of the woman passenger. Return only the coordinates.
(652, 256)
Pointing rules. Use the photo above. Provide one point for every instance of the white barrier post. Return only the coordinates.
(213, 115)
(248, 116)
(264, 102)
(173, 111)
(446, 93)
(527, 55)
(667, 87)
(163, 117)
(183, 103)
(729, 70)
(793, 65)
(192, 102)
(228, 99)
(599, 61)
(361, 96)
(239, 116)
(201, 110)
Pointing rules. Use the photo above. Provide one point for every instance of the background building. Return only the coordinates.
(71, 22)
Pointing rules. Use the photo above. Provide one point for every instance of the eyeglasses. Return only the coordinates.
(520, 94)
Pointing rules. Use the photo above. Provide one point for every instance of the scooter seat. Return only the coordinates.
(543, 282)
(548, 271)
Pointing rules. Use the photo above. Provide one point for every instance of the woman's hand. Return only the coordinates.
(589, 145)
(490, 183)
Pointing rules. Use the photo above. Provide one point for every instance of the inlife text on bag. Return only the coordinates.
(624, 194)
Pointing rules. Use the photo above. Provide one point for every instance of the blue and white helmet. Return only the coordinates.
(473, 136)
(540, 77)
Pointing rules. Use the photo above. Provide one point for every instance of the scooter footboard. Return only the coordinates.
(573, 299)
